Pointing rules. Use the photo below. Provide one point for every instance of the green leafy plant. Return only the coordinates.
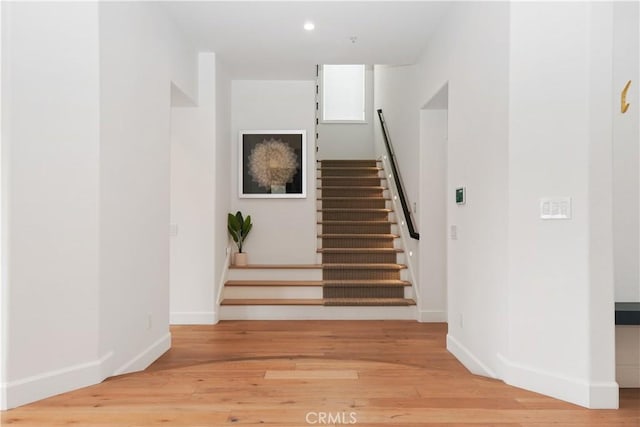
(239, 227)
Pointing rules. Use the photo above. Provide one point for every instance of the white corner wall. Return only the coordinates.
(561, 324)
(138, 48)
(626, 152)
(473, 36)
(626, 184)
(50, 152)
(4, 281)
(225, 142)
(85, 191)
(193, 200)
(284, 230)
(531, 120)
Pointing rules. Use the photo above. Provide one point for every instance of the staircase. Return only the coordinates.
(358, 276)
(359, 257)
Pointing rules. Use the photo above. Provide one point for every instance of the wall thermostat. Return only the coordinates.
(460, 195)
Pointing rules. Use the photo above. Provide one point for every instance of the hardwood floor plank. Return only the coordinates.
(387, 373)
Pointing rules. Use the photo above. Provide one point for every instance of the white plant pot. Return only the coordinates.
(240, 259)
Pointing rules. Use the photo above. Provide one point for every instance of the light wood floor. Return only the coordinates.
(382, 373)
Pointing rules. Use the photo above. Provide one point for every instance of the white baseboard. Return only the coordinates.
(468, 359)
(193, 318)
(596, 395)
(47, 384)
(147, 356)
(432, 316)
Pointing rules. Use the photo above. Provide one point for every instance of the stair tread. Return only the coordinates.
(359, 250)
(273, 283)
(277, 266)
(347, 222)
(354, 177)
(365, 266)
(272, 301)
(353, 198)
(387, 282)
(370, 301)
(347, 160)
(352, 187)
(358, 168)
(355, 210)
(358, 236)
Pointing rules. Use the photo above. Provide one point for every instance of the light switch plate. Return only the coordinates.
(555, 208)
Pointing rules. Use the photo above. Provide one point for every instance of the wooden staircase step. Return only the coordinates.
(349, 177)
(277, 266)
(273, 283)
(348, 222)
(368, 302)
(359, 250)
(358, 236)
(357, 283)
(353, 198)
(352, 187)
(363, 266)
(356, 210)
(342, 161)
(350, 168)
(274, 301)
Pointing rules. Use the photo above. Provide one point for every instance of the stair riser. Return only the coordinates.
(266, 312)
(360, 173)
(272, 292)
(350, 192)
(351, 182)
(361, 274)
(353, 203)
(359, 258)
(355, 228)
(354, 216)
(364, 292)
(275, 274)
(349, 163)
(354, 242)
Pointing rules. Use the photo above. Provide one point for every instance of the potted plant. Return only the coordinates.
(239, 227)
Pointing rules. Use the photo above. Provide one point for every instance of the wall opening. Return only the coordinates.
(432, 217)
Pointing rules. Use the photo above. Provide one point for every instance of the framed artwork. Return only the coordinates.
(272, 164)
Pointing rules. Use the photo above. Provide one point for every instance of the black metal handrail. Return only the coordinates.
(398, 180)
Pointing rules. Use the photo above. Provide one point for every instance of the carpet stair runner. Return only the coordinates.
(359, 259)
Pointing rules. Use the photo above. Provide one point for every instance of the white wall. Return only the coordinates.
(193, 201)
(528, 122)
(138, 47)
(350, 140)
(561, 268)
(626, 186)
(50, 198)
(85, 191)
(4, 282)
(225, 142)
(284, 230)
(626, 154)
(474, 36)
(432, 266)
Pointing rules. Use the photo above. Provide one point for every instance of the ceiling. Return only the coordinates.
(265, 39)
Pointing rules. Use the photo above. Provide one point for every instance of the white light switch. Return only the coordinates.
(453, 232)
(173, 230)
(555, 208)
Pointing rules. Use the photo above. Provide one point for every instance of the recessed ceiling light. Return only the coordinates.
(309, 26)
